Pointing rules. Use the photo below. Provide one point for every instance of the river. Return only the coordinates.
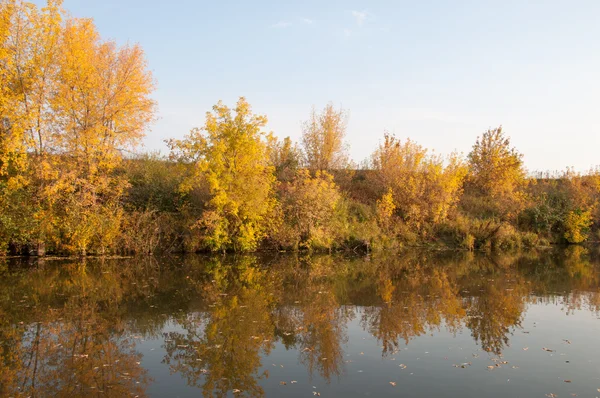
(414, 324)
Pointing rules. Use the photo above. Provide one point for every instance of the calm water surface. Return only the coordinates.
(410, 325)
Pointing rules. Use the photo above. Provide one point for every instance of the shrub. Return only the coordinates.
(577, 225)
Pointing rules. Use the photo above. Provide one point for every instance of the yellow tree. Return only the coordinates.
(69, 103)
(425, 187)
(103, 105)
(231, 153)
(323, 139)
(29, 46)
(385, 208)
(309, 206)
(497, 172)
(576, 225)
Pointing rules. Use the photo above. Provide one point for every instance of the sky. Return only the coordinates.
(437, 72)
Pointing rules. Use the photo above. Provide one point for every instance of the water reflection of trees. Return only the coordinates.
(60, 335)
(220, 347)
(321, 318)
(69, 329)
(71, 351)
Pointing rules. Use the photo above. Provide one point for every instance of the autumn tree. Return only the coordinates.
(231, 153)
(71, 103)
(105, 106)
(385, 209)
(286, 157)
(577, 224)
(425, 187)
(29, 45)
(323, 139)
(309, 206)
(497, 173)
(567, 207)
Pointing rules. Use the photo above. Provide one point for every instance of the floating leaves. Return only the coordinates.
(462, 365)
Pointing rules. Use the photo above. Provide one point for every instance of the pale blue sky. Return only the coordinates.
(439, 72)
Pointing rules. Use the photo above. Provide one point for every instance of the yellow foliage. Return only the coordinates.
(424, 189)
(309, 204)
(285, 157)
(386, 208)
(577, 224)
(496, 168)
(71, 103)
(497, 173)
(231, 153)
(323, 139)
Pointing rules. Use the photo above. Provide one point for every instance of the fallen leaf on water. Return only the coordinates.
(490, 367)
(547, 349)
(283, 383)
(567, 381)
(462, 365)
(236, 391)
(393, 383)
(362, 353)
(403, 366)
(293, 382)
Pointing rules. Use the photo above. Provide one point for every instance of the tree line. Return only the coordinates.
(73, 106)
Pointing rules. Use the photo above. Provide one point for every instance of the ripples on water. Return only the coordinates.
(417, 324)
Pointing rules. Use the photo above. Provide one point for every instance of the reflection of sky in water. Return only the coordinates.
(429, 363)
(334, 326)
